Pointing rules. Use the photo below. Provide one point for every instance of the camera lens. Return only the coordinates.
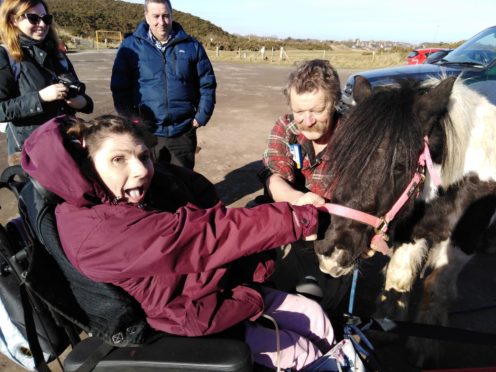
(75, 86)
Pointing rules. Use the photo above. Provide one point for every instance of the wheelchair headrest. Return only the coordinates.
(46, 195)
(107, 311)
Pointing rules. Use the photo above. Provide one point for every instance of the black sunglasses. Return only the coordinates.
(35, 19)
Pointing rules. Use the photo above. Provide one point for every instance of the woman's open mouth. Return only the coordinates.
(135, 195)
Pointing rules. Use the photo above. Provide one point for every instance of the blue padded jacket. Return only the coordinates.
(170, 89)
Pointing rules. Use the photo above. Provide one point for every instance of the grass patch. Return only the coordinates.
(339, 58)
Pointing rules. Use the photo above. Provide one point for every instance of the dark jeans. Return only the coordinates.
(179, 150)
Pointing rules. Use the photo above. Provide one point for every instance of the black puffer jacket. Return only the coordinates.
(20, 102)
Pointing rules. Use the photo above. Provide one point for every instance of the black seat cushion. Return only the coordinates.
(167, 353)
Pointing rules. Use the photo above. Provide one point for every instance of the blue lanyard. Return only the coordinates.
(353, 291)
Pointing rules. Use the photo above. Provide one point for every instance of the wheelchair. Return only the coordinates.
(54, 306)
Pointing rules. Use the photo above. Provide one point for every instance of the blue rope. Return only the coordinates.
(352, 329)
(362, 345)
(353, 290)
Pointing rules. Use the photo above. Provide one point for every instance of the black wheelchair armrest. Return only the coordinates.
(167, 353)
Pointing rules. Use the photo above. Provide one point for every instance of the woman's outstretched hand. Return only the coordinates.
(322, 226)
(310, 198)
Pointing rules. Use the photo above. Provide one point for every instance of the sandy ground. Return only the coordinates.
(249, 99)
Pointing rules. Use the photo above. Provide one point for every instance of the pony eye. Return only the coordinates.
(423, 91)
(399, 168)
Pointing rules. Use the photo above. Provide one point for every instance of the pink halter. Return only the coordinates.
(380, 224)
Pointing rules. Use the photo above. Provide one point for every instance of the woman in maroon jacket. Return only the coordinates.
(163, 237)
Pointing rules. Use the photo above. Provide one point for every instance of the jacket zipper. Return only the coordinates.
(169, 45)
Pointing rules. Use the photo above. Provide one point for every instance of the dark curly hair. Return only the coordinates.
(94, 132)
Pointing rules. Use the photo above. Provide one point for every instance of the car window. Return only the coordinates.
(412, 54)
(481, 49)
(436, 56)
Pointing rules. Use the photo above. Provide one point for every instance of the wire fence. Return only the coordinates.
(342, 58)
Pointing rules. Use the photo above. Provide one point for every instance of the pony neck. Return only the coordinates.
(471, 144)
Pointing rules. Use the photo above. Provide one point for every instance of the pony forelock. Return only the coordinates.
(379, 118)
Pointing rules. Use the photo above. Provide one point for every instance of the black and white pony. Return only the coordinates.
(381, 154)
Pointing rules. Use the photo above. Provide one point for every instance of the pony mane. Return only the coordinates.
(470, 134)
(387, 115)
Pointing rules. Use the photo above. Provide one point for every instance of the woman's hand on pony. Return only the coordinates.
(316, 201)
(324, 220)
(310, 198)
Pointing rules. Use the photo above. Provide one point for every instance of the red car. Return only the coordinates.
(62, 47)
(418, 56)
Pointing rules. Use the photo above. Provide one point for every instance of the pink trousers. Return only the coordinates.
(305, 331)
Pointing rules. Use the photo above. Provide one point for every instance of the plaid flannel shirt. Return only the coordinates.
(278, 159)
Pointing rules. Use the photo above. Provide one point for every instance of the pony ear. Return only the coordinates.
(362, 89)
(431, 106)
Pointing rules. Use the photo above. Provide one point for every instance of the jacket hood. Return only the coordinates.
(46, 159)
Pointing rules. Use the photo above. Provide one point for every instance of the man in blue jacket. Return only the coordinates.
(164, 76)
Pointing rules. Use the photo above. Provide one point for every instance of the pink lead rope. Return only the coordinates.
(380, 224)
(425, 157)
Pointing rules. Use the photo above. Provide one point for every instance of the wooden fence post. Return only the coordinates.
(283, 55)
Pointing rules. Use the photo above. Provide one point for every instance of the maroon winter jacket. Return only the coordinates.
(175, 263)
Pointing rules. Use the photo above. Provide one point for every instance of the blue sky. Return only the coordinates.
(396, 20)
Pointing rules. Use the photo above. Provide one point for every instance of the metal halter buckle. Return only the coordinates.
(382, 228)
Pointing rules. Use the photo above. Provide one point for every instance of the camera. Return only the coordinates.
(76, 88)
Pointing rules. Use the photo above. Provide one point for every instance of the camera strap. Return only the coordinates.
(61, 60)
(52, 74)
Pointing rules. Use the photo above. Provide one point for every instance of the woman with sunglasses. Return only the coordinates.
(31, 67)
